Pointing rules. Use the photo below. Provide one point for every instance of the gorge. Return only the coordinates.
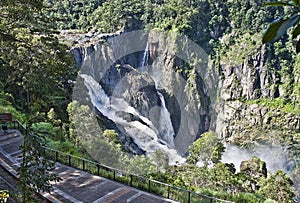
(165, 99)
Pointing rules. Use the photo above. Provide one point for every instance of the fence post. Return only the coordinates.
(83, 164)
(56, 156)
(189, 196)
(98, 169)
(114, 175)
(149, 185)
(168, 191)
(69, 160)
(130, 179)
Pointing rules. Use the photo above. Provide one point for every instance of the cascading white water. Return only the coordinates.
(144, 63)
(145, 135)
(166, 131)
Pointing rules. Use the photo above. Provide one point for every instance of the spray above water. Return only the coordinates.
(276, 157)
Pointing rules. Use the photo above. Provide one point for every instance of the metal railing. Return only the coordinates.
(140, 182)
(15, 124)
(133, 180)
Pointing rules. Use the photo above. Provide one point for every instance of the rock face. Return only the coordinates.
(187, 95)
(253, 100)
(137, 89)
(126, 140)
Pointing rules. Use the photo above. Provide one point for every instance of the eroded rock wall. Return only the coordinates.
(255, 104)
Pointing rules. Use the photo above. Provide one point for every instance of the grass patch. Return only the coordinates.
(278, 103)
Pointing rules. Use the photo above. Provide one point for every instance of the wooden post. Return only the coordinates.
(56, 156)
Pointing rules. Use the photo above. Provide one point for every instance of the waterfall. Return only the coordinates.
(143, 132)
(166, 131)
(144, 63)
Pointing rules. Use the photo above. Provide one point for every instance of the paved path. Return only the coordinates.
(76, 186)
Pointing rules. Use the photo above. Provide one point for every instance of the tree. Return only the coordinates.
(35, 168)
(6, 105)
(35, 69)
(218, 178)
(111, 136)
(254, 167)
(207, 149)
(161, 160)
(173, 14)
(251, 172)
(281, 25)
(116, 15)
(83, 123)
(278, 187)
(35, 66)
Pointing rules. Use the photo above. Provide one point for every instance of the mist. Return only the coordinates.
(275, 156)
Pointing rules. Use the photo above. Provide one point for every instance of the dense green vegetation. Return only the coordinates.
(32, 57)
(35, 69)
(37, 73)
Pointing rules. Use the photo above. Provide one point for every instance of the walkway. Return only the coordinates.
(76, 186)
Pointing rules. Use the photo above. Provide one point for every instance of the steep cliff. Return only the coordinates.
(257, 100)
